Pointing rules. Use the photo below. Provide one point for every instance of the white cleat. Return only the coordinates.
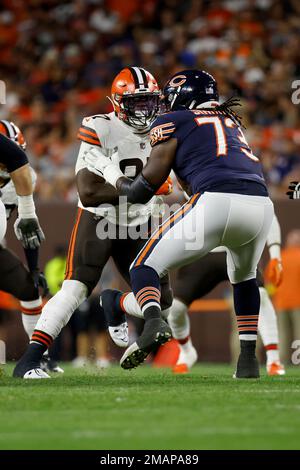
(119, 334)
(187, 358)
(36, 374)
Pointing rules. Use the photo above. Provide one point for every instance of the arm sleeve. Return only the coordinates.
(137, 191)
(274, 239)
(11, 155)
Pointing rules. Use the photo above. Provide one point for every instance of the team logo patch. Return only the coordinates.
(177, 81)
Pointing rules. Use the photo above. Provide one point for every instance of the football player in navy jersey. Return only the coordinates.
(202, 141)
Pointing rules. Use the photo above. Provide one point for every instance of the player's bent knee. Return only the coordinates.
(76, 289)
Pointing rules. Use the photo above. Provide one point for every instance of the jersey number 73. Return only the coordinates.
(220, 134)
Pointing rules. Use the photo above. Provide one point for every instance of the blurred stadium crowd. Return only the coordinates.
(58, 60)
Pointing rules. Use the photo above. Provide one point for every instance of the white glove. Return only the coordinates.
(102, 166)
(27, 227)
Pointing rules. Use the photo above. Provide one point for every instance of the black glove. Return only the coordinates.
(29, 232)
(40, 282)
(295, 190)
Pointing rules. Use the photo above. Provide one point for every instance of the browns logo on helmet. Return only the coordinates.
(136, 97)
(11, 130)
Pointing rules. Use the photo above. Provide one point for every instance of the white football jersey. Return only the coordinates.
(8, 193)
(127, 149)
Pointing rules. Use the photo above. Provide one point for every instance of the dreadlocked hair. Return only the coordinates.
(226, 109)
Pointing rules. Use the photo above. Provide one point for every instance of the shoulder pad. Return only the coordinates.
(94, 128)
(162, 129)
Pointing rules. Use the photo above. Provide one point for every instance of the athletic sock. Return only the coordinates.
(129, 305)
(31, 311)
(34, 352)
(179, 321)
(267, 324)
(146, 288)
(247, 303)
(41, 338)
(272, 353)
(185, 344)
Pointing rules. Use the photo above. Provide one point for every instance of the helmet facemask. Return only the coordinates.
(140, 109)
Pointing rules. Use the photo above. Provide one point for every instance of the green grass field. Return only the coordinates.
(150, 409)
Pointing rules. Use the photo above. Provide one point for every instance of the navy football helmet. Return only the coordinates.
(188, 89)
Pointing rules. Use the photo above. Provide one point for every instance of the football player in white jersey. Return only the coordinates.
(103, 222)
(15, 279)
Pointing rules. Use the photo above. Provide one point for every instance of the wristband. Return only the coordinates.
(26, 207)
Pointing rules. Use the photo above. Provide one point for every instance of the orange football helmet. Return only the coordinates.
(136, 97)
(10, 130)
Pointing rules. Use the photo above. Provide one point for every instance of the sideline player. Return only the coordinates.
(14, 277)
(202, 141)
(122, 135)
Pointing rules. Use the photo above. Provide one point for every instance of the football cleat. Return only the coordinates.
(49, 365)
(115, 317)
(119, 335)
(247, 368)
(275, 368)
(35, 374)
(187, 358)
(156, 332)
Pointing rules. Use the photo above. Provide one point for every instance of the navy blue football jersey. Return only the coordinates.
(212, 151)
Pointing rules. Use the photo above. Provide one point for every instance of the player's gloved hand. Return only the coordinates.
(40, 282)
(29, 232)
(273, 272)
(102, 166)
(294, 188)
(166, 188)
